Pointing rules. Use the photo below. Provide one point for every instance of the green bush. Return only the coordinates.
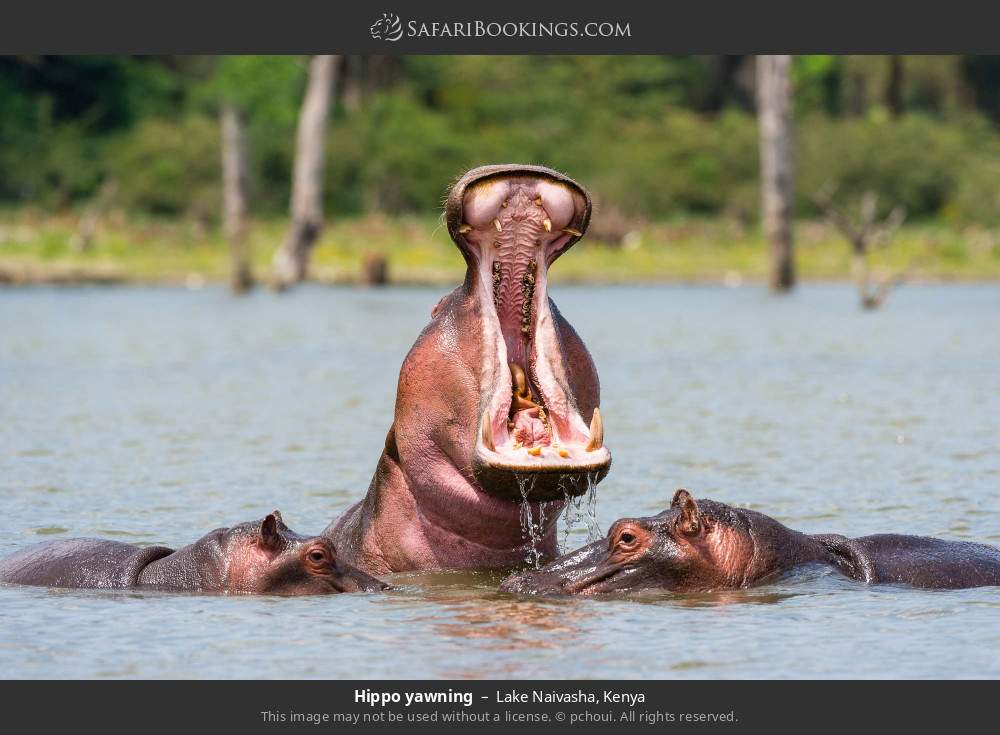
(644, 134)
(43, 161)
(169, 167)
(680, 163)
(914, 161)
(397, 156)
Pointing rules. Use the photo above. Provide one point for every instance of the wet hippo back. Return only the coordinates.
(80, 562)
(920, 561)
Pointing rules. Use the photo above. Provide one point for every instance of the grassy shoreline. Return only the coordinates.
(37, 248)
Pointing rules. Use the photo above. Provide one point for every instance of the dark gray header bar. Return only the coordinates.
(511, 27)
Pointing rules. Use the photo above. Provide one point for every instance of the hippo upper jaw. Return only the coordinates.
(540, 433)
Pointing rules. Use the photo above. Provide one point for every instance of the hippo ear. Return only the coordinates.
(270, 536)
(689, 521)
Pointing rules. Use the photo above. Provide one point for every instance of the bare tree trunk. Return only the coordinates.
(235, 186)
(865, 233)
(85, 232)
(291, 261)
(374, 269)
(861, 274)
(894, 86)
(777, 183)
(351, 73)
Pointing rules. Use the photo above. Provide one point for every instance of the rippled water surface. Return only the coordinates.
(155, 415)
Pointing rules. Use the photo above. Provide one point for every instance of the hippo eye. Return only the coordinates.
(317, 556)
(627, 539)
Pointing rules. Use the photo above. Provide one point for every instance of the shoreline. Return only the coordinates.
(41, 249)
(31, 275)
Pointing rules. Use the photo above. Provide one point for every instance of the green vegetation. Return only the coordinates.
(667, 145)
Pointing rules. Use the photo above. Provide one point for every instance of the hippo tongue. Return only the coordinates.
(530, 430)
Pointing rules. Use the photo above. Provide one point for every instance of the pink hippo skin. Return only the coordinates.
(498, 399)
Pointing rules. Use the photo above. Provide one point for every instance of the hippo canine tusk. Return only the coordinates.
(496, 223)
(572, 231)
(463, 228)
(596, 432)
(547, 224)
(488, 432)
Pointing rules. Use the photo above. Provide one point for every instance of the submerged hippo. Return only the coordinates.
(260, 557)
(497, 401)
(705, 545)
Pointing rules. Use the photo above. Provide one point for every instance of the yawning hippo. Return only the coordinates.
(498, 399)
(261, 557)
(712, 546)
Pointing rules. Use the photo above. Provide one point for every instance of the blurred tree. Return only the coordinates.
(723, 88)
(818, 82)
(235, 195)
(894, 86)
(109, 92)
(865, 233)
(983, 75)
(267, 90)
(774, 117)
(291, 261)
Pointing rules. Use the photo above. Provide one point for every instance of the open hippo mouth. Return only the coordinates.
(537, 439)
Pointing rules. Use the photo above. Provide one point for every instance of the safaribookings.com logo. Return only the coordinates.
(387, 28)
(390, 28)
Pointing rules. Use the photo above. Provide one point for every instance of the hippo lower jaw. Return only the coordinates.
(586, 571)
(532, 441)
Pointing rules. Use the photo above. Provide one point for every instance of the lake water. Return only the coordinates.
(154, 415)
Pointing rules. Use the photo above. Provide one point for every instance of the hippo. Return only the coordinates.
(707, 545)
(497, 402)
(260, 557)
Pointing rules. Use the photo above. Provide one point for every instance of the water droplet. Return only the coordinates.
(579, 506)
(530, 529)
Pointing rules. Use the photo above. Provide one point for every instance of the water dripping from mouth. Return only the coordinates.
(571, 516)
(580, 506)
(590, 517)
(530, 530)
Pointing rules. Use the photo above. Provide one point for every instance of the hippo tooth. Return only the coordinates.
(572, 231)
(596, 432)
(496, 223)
(547, 224)
(488, 432)
(463, 228)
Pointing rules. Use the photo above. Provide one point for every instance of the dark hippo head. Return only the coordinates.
(499, 394)
(692, 546)
(266, 557)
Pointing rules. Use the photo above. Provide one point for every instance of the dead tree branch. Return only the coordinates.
(865, 232)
